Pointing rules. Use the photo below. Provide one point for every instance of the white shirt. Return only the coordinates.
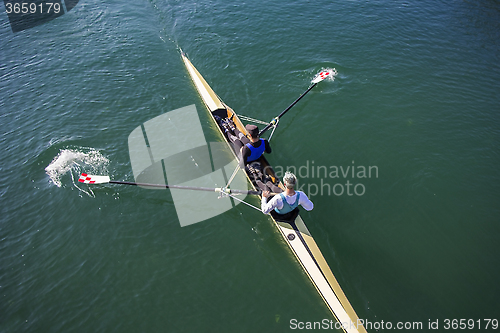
(276, 202)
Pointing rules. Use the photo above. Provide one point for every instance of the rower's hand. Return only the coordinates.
(266, 194)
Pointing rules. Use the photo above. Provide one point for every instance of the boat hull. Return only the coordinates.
(294, 233)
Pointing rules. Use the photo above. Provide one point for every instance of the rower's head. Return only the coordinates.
(289, 180)
(253, 131)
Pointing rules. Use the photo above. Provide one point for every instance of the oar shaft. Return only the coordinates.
(288, 108)
(184, 187)
(161, 186)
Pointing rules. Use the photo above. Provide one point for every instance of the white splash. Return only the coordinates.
(75, 161)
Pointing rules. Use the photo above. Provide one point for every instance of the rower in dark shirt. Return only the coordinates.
(252, 150)
(249, 149)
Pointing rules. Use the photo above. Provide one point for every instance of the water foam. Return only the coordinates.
(74, 162)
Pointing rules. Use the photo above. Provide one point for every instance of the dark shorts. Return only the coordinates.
(288, 217)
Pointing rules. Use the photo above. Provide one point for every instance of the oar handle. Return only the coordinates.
(288, 108)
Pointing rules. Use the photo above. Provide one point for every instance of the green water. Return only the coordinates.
(416, 97)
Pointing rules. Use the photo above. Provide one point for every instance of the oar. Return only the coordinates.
(93, 179)
(318, 78)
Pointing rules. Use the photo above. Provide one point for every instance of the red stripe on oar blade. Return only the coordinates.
(321, 76)
(84, 178)
(93, 179)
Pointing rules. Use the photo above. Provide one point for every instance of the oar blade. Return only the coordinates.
(324, 74)
(93, 179)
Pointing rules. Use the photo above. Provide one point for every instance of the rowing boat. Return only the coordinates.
(295, 233)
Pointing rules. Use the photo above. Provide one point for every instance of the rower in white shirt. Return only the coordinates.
(287, 201)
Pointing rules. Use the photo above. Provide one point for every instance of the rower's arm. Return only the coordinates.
(268, 147)
(267, 207)
(305, 202)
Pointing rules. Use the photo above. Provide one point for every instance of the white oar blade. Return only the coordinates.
(92, 179)
(328, 73)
